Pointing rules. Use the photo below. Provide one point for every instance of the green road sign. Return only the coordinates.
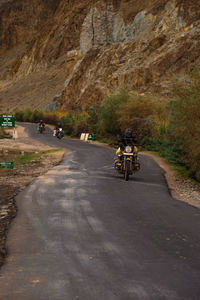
(6, 164)
(90, 137)
(7, 121)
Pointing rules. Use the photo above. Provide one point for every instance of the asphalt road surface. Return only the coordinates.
(82, 232)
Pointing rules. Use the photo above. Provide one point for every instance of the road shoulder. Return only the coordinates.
(13, 181)
(180, 188)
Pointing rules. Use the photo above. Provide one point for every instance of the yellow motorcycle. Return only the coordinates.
(127, 162)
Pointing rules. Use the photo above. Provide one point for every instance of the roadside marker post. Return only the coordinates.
(15, 135)
(82, 137)
(86, 137)
(90, 137)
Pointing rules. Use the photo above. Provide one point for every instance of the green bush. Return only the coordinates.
(93, 117)
(19, 115)
(144, 114)
(36, 116)
(109, 113)
(50, 118)
(67, 124)
(185, 119)
(27, 115)
(80, 123)
(170, 150)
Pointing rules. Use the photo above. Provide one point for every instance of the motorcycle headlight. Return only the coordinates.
(60, 129)
(128, 149)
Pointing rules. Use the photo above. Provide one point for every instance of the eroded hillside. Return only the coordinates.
(75, 52)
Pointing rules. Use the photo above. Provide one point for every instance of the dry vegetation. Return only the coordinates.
(186, 119)
(169, 127)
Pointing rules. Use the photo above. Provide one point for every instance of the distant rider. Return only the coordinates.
(58, 126)
(42, 124)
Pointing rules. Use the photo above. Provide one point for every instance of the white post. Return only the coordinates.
(15, 135)
(86, 136)
(82, 137)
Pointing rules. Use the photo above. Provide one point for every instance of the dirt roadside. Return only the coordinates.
(180, 188)
(13, 181)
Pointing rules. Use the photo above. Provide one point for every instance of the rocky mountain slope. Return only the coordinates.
(65, 53)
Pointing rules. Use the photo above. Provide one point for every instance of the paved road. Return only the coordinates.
(82, 232)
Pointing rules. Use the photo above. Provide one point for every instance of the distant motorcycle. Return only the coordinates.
(127, 162)
(60, 133)
(41, 128)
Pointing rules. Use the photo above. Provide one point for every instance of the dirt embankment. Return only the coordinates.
(14, 180)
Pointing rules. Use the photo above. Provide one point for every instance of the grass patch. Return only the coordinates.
(106, 140)
(170, 150)
(20, 157)
(26, 158)
(179, 169)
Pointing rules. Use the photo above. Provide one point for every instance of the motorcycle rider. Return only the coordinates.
(127, 139)
(124, 140)
(41, 124)
(58, 126)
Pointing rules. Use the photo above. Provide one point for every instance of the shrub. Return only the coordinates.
(50, 118)
(19, 115)
(80, 123)
(170, 150)
(144, 114)
(27, 115)
(93, 117)
(36, 116)
(109, 113)
(67, 123)
(185, 119)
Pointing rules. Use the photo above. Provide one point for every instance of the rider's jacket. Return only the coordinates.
(42, 124)
(123, 141)
(58, 126)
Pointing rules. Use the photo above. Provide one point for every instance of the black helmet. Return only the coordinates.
(128, 132)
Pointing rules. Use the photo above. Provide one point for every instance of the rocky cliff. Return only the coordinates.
(68, 53)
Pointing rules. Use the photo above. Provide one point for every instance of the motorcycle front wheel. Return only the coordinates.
(59, 136)
(127, 170)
